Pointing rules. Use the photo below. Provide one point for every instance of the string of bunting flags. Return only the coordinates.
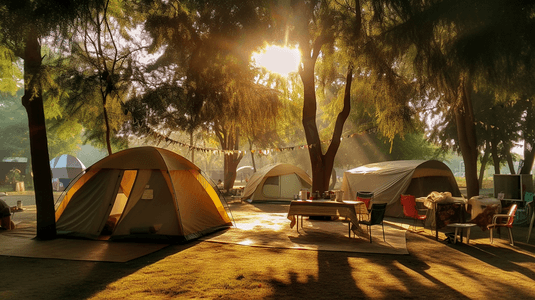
(168, 140)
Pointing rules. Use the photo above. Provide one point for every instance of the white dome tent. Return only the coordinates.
(277, 182)
(65, 168)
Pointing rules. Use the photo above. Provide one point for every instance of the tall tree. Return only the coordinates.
(459, 43)
(313, 32)
(342, 36)
(63, 137)
(528, 135)
(10, 72)
(209, 82)
(101, 71)
(13, 126)
(23, 24)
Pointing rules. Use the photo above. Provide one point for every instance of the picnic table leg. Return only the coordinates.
(436, 219)
(468, 236)
(531, 224)
(461, 214)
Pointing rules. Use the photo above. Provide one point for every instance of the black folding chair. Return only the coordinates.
(376, 216)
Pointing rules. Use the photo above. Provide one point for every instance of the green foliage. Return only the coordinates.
(25, 25)
(10, 73)
(413, 146)
(63, 137)
(98, 77)
(14, 176)
(369, 147)
(13, 126)
(382, 87)
(206, 57)
(499, 122)
(288, 126)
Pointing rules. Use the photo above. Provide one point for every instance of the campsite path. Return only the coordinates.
(12, 199)
(28, 215)
(227, 271)
(27, 198)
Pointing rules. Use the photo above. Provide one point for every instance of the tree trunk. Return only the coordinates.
(252, 154)
(107, 122)
(529, 157)
(42, 176)
(230, 141)
(529, 139)
(322, 164)
(330, 155)
(495, 156)
(510, 163)
(333, 180)
(309, 125)
(191, 144)
(231, 164)
(484, 161)
(467, 139)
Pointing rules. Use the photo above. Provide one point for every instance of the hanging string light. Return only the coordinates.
(264, 152)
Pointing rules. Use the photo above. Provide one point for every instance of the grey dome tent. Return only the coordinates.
(390, 179)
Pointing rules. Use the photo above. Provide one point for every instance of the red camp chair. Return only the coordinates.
(497, 222)
(365, 197)
(410, 210)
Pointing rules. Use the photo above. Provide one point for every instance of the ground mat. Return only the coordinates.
(264, 228)
(21, 243)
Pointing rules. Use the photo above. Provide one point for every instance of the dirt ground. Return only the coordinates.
(206, 270)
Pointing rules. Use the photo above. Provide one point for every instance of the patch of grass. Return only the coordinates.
(486, 189)
(6, 188)
(488, 183)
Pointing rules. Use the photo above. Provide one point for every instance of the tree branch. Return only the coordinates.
(342, 116)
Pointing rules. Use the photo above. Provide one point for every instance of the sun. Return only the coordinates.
(276, 59)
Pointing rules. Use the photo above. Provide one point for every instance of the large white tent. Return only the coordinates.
(277, 182)
(390, 179)
(143, 192)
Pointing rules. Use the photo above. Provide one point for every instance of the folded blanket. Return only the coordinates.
(485, 218)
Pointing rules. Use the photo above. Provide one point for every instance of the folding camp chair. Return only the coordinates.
(377, 214)
(366, 197)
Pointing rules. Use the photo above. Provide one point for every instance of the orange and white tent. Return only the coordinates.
(143, 192)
